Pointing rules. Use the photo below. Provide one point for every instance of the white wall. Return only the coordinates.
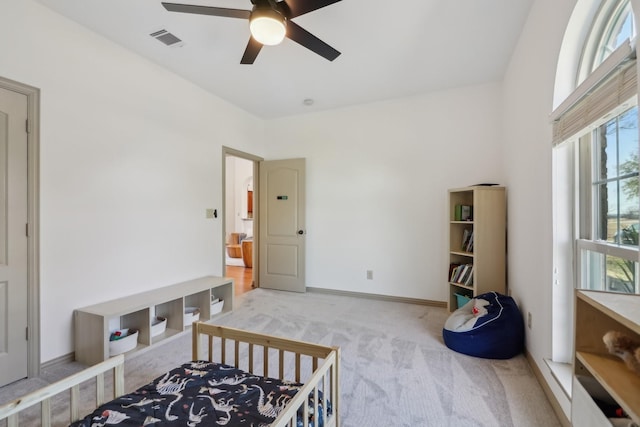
(528, 100)
(130, 160)
(377, 180)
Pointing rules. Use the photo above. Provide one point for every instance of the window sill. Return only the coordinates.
(563, 374)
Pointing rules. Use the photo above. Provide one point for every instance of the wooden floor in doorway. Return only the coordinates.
(242, 277)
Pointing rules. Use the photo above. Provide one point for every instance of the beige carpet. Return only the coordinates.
(396, 370)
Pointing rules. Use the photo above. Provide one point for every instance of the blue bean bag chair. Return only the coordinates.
(489, 326)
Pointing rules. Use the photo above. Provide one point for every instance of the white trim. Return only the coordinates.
(33, 208)
(228, 151)
(562, 373)
(620, 251)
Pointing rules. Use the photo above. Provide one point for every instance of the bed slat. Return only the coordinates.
(305, 413)
(297, 367)
(281, 364)
(45, 408)
(223, 351)
(265, 368)
(74, 410)
(316, 408)
(99, 389)
(118, 380)
(251, 358)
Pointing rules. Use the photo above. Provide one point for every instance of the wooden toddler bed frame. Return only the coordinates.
(316, 366)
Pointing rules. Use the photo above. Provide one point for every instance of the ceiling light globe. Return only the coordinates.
(267, 26)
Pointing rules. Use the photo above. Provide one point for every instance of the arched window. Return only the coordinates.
(612, 26)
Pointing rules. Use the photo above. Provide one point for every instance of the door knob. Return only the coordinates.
(300, 232)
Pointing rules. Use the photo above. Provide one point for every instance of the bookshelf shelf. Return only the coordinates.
(479, 241)
(460, 253)
(461, 285)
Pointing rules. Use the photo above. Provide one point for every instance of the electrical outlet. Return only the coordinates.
(529, 320)
(369, 274)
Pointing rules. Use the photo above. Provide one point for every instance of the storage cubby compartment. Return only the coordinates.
(459, 198)
(224, 294)
(172, 311)
(197, 307)
(457, 234)
(138, 320)
(461, 295)
(94, 324)
(591, 404)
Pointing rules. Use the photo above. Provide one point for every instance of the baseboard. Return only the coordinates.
(547, 391)
(378, 297)
(64, 359)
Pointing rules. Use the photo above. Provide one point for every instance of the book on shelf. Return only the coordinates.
(469, 246)
(463, 213)
(467, 240)
(452, 269)
(461, 273)
(466, 213)
(455, 270)
(468, 278)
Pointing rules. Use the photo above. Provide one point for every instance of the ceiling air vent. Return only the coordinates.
(167, 38)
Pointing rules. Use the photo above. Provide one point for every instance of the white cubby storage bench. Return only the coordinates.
(94, 324)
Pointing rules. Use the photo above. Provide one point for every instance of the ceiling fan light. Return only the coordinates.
(267, 26)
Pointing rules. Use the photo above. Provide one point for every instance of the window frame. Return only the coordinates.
(585, 216)
(597, 47)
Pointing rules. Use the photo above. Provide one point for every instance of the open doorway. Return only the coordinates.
(240, 219)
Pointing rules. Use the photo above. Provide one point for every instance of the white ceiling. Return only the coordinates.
(389, 49)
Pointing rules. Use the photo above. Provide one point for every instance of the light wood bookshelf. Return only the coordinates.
(597, 373)
(93, 324)
(488, 256)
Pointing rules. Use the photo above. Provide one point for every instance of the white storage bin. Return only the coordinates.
(216, 306)
(158, 326)
(191, 314)
(122, 345)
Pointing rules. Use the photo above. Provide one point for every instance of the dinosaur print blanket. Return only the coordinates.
(200, 394)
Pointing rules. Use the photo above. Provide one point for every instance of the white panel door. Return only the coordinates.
(13, 236)
(282, 232)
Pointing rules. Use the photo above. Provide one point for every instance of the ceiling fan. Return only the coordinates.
(269, 22)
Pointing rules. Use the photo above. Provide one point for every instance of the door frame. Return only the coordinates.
(33, 218)
(228, 151)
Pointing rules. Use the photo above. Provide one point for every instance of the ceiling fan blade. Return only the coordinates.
(300, 7)
(207, 10)
(301, 36)
(251, 52)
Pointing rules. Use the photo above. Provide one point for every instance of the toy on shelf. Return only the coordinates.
(625, 348)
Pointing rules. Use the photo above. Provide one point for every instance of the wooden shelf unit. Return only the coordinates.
(93, 324)
(488, 224)
(596, 371)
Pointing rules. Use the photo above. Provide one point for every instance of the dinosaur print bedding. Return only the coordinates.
(200, 394)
